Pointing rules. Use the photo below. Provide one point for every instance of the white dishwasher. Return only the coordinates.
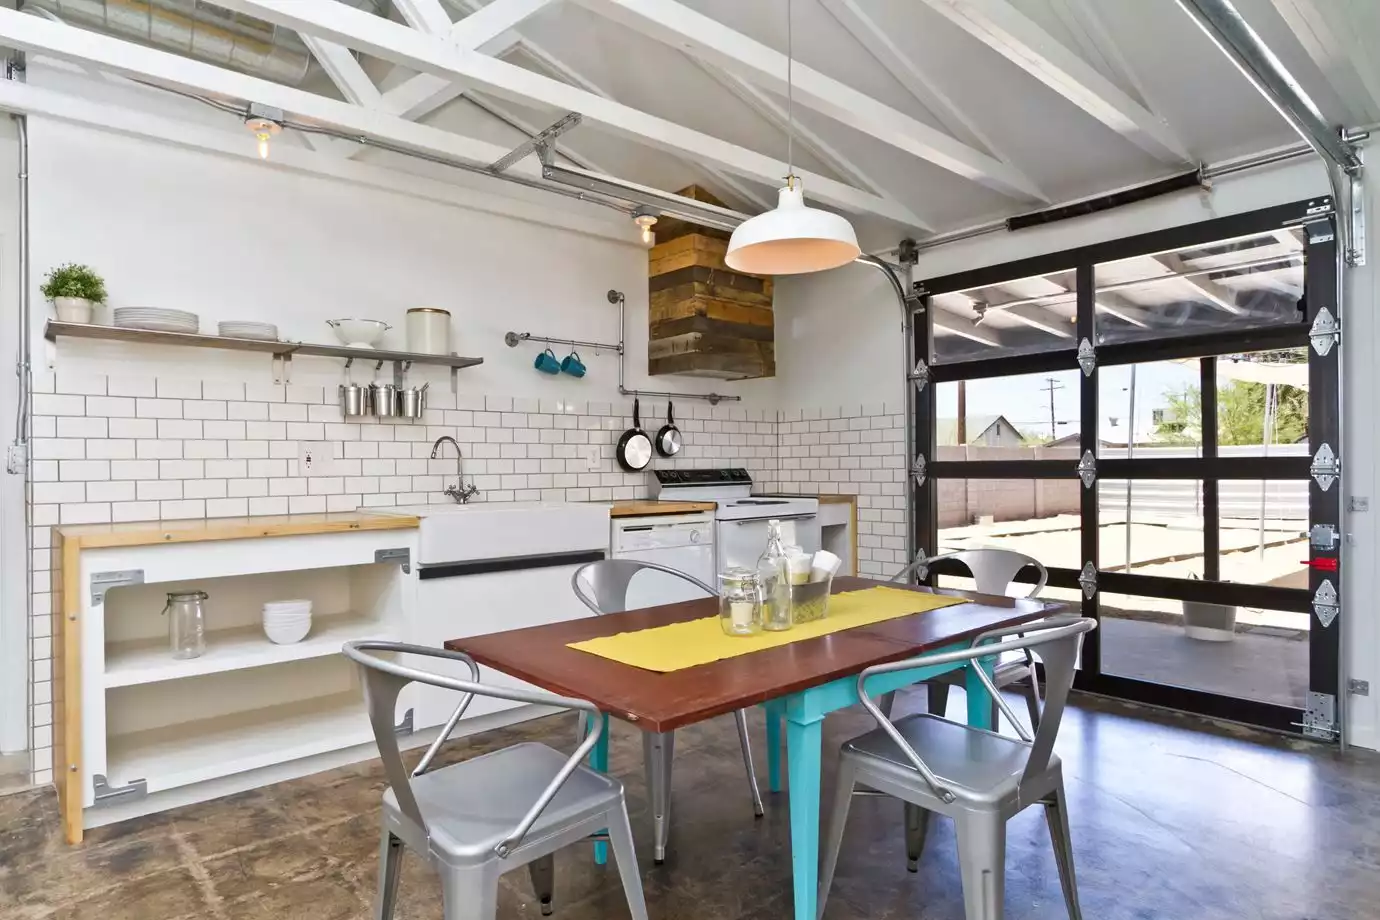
(684, 542)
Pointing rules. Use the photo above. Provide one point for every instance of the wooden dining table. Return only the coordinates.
(798, 684)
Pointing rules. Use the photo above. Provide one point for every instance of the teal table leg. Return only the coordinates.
(599, 760)
(979, 700)
(804, 739)
(774, 716)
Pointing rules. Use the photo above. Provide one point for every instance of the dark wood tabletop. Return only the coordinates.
(662, 702)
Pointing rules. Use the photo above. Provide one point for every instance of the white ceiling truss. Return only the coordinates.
(914, 119)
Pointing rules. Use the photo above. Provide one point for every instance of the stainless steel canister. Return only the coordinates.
(412, 401)
(385, 400)
(356, 399)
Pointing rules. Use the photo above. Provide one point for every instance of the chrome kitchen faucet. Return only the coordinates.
(460, 492)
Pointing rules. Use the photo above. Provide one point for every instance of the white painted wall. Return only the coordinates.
(14, 614)
(837, 344)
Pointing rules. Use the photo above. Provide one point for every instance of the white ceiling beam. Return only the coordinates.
(424, 15)
(1099, 46)
(355, 28)
(964, 330)
(1114, 305)
(1339, 57)
(489, 22)
(772, 112)
(1035, 317)
(1019, 39)
(32, 34)
(561, 148)
(684, 29)
(908, 73)
(344, 70)
(1202, 285)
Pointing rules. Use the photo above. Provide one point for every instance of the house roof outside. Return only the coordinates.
(946, 429)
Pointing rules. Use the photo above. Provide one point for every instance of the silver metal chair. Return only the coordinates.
(603, 587)
(499, 811)
(993, 572)
(978, 778)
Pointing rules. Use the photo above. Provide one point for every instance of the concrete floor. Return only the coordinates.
(1172, 817)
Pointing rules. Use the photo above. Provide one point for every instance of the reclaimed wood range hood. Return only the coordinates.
(705, 320)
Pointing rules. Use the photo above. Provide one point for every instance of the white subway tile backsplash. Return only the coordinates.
(158, 489)
(92, 513)
(246, 410)
(110, 491)
(204, 488)
(223, 430)
(82, 384)
(215, 389)
(177, 428)
(246, 488)
(267, 469)
(83, 469)
(264, 392)
(287, 412)
(247, 450)
(134, 469)
(59, 449)
(110, 449)
(137, 428)
(45, 493)
(179, 388)
(305, 394)
(176, 510)
(227, 507)
(203, 408)
(128, 385)
(286, 486)
(158, 408)
(50, 404)
(265, 431)
(158, 449)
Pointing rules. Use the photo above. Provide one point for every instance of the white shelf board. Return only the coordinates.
(194, 752)
(148, 662)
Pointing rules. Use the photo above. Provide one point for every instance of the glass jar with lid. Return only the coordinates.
(186, 623)
(740, 602)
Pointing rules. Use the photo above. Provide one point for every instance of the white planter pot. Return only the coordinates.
(73, 309)
(1209, 622)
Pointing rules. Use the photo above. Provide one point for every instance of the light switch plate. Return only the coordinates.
(315, 458)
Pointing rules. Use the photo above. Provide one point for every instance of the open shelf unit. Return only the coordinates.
(148, 661)
(193, 752)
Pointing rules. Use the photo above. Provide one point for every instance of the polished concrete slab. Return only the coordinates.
(1173, 818)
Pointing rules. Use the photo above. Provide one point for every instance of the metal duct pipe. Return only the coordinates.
(194, 29)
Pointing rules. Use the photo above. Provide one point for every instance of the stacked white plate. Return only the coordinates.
(156, 319)
(286, 622)
(243, 329)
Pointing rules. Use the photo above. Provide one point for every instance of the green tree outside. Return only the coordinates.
(1240, 415)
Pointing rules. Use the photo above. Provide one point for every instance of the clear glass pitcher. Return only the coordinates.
(186, 614)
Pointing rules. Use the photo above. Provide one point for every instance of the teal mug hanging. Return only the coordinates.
(547, 362)
(572, 364)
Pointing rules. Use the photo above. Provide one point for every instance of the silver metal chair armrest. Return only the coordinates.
(918, 563)
(945, 794)
(455, 716)
(355, 652)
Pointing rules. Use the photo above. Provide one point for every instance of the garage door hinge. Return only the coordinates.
(1087, 357)
(1326, 467)
(920, 376)
(1088, 579)
(1320, 717)
(917, 469)
(1325, 603)
(1087, 469)
(1325, 332)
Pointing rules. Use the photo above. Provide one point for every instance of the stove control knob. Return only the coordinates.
(694, 536)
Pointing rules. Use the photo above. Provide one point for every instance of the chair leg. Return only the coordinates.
(390, 870)
(621, 841)
(1032, 705)
(1057, 816)
(886, 702)
(937, 693)
(917, 829)
(543, 873)
(838, 819)
(658, 748)
(741, 718)
(982, 863)
(469, 894)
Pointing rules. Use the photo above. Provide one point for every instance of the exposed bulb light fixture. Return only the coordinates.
(646, 220)
(793, 238)
(265, 123)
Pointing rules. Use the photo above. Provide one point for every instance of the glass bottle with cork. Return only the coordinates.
(774, 581)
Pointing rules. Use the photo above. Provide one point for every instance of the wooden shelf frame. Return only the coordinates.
(281, 352)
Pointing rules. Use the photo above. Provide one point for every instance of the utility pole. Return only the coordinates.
(1052, 384)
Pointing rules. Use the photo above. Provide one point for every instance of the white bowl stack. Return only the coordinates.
(286, 622)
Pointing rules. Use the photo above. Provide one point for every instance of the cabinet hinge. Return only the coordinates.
(102, 582)
(107, 794)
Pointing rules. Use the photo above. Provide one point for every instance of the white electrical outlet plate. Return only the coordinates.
(314, 458)
(592, 457)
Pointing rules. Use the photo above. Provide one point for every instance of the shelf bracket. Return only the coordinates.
(107, 794)
(102, 582)
(405, 726)
(400, 555)
(282, 368)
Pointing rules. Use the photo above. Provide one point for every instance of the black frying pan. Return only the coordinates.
(634, 447)
(667, 440)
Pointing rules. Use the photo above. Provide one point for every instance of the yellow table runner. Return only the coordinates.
(695, 642)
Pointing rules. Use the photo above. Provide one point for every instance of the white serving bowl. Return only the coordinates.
(359, 333)
(287, 633)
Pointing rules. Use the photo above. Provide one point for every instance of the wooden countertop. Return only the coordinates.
(838, 499)
(647, 507)
(147, 533)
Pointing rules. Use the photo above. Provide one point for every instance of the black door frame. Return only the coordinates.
(1320, 718)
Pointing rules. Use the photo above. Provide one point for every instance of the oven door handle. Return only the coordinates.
(788, 517)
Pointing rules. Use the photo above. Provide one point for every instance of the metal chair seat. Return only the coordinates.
(473, 806)
(975, 765)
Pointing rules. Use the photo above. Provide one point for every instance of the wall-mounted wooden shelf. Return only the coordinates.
(282, 352)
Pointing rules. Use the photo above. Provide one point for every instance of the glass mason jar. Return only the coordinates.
(740, 605)
(186, 623)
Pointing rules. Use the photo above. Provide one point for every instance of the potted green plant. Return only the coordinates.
(74, 290)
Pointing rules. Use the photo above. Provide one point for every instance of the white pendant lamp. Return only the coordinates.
(793, 238)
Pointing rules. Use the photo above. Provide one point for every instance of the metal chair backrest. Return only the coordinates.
(384, 679)
(1056, 641)
(603, 586)
(993, 569)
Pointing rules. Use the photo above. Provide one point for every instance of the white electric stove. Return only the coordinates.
(740, 521)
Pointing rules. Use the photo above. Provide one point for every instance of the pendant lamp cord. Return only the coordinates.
(790, 101)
